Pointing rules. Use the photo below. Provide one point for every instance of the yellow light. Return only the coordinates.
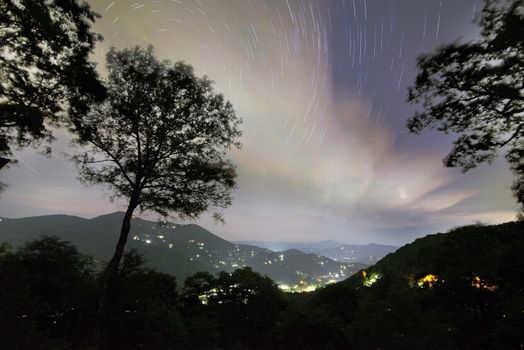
(284, 287)
(428, 280)
(481, 284)
(310, 288)
(372, 279)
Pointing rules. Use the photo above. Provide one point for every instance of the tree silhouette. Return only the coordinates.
(45, 74)
(159, 140)
(476, 90)
(47, 287)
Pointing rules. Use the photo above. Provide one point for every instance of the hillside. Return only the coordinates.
(458, 290)
(462, 253)
(180, 250)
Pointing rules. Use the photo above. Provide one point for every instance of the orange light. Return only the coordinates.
(481, 284)
(428, 280)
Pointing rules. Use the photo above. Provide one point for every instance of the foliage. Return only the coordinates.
(161, 136)
(160, 140)
(456, 312)
(46, 289)
(519, 216)
(144, 303)
(476, 90)
(45, 74)
(243, 304)
(476, 302)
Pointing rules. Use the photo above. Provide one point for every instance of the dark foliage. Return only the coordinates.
(144, 304)
(243, 306)
(46, 289)
(160, 139)
(476, 301)
(45, 75)
(476, 90)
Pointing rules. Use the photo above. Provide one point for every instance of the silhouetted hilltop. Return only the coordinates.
(458, 290)
(180, 250)
(460, 253)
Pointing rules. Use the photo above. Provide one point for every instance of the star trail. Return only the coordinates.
(321, 86)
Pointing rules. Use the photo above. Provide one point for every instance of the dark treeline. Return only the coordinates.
(430, 294)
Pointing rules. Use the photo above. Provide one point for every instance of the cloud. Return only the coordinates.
(319, 159)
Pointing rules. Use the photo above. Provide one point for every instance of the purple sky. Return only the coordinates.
(321, 86)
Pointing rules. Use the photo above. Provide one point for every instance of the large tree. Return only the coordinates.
(476, 90)
(160, 140)
(45, 74)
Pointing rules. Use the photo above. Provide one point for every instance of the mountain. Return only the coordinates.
(365, 254)
(279, 246)
(180, 250)
(458, 290)
(352, 253)
(494, 251)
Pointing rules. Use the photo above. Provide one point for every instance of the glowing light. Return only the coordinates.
(301, 287)
(148, 241)
(310, 288)
(284, 287)
(481, 284)
(203, 299)
(428, 280)
(371, 280)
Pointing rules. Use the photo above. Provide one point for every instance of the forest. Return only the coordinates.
(461, 289)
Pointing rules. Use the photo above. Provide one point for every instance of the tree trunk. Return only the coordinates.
(108, 277)
(3, 161)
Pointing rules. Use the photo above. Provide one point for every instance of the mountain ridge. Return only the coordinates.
(178, 249)
(343, 252)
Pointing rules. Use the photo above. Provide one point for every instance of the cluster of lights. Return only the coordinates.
(427, 281)
(301, 287)
(481, 284)
(238, 258)
(430, 280)
(370, 280)
(213, 293)
(148, 239)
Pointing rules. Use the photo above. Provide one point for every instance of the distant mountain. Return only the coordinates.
(279, 246)
(351, 253)
(365, 254)
(180, 250)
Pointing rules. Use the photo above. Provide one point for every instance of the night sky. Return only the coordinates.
(321, 86)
